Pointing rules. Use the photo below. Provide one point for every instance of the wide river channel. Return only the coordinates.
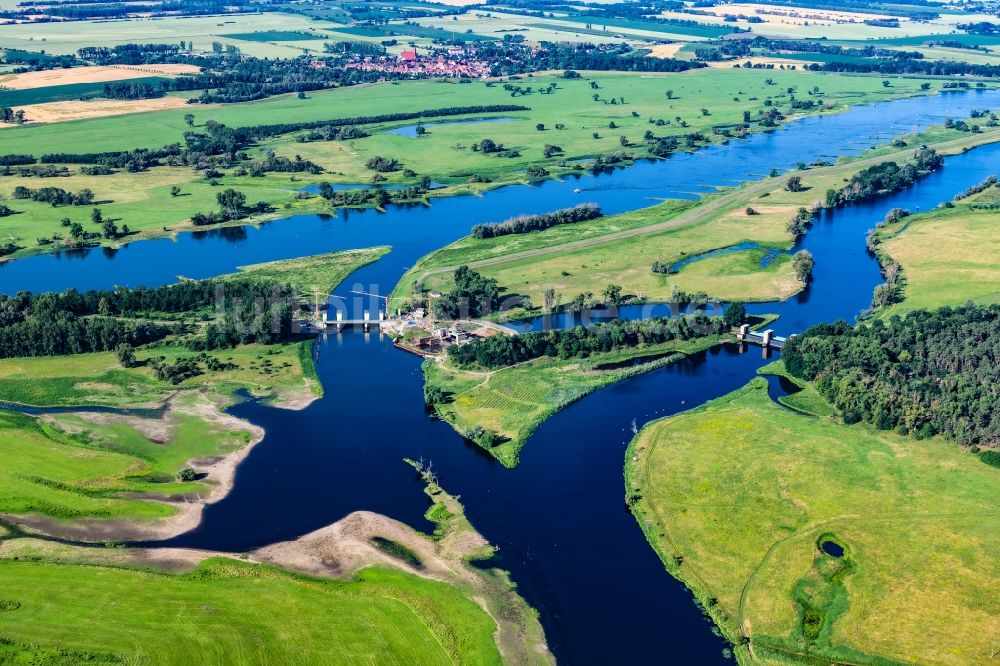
(559, 519)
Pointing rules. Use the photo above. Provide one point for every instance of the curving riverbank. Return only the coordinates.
(558, 519)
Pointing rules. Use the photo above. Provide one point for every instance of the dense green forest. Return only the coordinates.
(502, 350)
(72, 322)
(926, 373)
(472, 296)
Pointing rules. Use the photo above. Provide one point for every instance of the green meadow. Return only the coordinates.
(68, 466)
(273, 36)
(231, 612)
(318, 274)
(515, 400)
(948, 256)
(620, 249)
(145, 202)
(278, 372)
(739, 496)
(571, 104)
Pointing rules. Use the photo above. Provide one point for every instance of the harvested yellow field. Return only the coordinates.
(58, 112)
(795, 15)
(665, 50)
(96, 74)
(759, 60)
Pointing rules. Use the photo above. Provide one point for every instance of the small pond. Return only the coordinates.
(410, 131)
(831, 548)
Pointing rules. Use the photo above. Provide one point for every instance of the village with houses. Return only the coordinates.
(460, 61)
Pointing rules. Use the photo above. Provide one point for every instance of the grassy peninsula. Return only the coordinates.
(739, 496)
(751, 224)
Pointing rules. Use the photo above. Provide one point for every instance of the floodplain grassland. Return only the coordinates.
(373, 590)
(280, 373)
(103, 464)
(738, 496)
(620, 249)
(513, 401)
(71, 466)
(802, 396)
(144, 201)
(317, 274)
(227, 611)
(571, 104)
(948, 256)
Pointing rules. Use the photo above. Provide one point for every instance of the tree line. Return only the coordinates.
(132, 90)
(503, 350)
(73, 322)
(927, 373)
(527, 223)
(55, 196)
(907, 66)
(885, 178)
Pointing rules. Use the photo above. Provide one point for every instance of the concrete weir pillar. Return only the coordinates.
(368, 317)
(744, 329)
(340, 318)
(766, 336)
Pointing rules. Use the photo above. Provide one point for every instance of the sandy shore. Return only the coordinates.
(219, 471)
(339, 551)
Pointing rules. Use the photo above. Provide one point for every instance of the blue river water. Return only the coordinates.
(559, 519)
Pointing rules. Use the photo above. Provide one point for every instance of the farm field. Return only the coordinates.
(497, 24)
(144, 202)
(91, 74)
(948, 256)
(67, 37)
(799, 22)
(30, 96)
(586, 257)
(740, 496)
